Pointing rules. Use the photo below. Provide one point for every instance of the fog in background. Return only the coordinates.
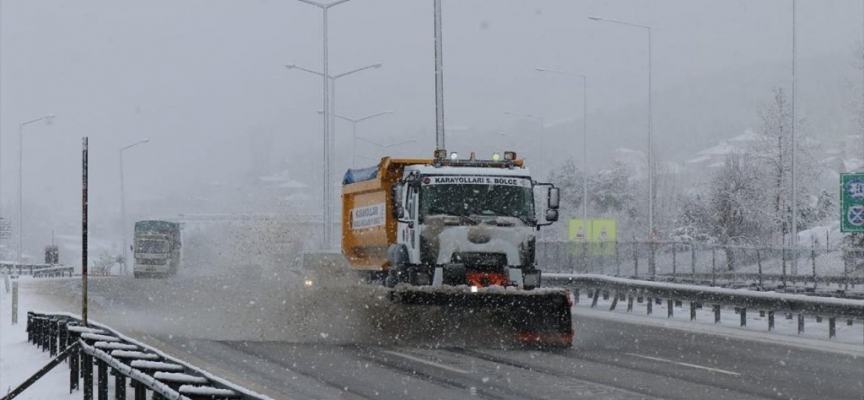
(205, 82)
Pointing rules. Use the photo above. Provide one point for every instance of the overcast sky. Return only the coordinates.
(205, 81)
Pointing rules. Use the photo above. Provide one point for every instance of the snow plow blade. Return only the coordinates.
(539, 317)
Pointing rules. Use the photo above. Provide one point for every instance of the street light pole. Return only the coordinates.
(542, 123)
(123, 205)
(333, 79)
(354, 122)
(328, 206)
(584, 142)
(650, 122)
(794, 230)
(48, 118)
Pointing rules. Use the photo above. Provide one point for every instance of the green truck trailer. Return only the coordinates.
(156, 247)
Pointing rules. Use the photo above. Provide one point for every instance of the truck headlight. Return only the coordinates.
(308, 283)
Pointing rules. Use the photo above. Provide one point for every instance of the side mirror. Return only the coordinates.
(551, 215)
(400, 211)
(554, 199)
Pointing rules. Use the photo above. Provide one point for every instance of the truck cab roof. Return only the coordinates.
(469, 170)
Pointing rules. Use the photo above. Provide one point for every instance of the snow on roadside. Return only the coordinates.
(785, 331)
(19, 359)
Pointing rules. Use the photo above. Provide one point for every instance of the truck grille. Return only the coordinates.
(150, 261)
(481, 262)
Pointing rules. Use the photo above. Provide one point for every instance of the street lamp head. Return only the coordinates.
(376, 65)
(290, 66)
(595, 18)
(320, 111)
(49, 119)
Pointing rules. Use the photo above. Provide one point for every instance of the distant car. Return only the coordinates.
(312, 268)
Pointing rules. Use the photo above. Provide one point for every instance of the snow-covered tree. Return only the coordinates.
(611, 191)
(774, 155)
(734, 217)
(569, 179)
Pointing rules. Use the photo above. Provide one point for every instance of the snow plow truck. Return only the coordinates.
(459, 234)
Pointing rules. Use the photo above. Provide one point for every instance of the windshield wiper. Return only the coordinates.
(467, 217)
(462, 217)
(499, 213)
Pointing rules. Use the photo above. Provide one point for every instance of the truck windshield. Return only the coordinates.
(473, 199)
(152, 246)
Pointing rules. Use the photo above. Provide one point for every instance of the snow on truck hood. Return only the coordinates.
(501, 235)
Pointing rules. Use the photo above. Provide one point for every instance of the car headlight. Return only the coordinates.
(308, 283)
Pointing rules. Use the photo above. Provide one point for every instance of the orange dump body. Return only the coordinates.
(368, 224)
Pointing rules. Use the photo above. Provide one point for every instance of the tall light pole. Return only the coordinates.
(542, 123)
(328, 203)
(584, 142)
(123, 202)
(354, 122)
(48, 118)
(439, 77)
(650, 123)
(794, 230)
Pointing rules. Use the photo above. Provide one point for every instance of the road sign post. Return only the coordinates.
(852, 203)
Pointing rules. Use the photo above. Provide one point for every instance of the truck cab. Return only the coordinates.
(469, 222)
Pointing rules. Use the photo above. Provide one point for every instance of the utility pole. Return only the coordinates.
(84, 232)
(439, 80)
(794, 228)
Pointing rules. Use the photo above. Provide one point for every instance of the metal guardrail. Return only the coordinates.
(36, 270)
(815, 266)
(740, 300)
(147, 368)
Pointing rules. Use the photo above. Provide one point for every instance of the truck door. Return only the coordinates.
(413, 230)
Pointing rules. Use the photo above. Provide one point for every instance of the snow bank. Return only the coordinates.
(821, 236)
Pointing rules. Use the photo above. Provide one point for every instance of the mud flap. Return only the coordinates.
(539, 318)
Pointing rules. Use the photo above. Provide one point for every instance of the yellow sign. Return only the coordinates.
(599, 230)
(601, 236)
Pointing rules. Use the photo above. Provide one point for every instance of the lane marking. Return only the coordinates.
(722, 371)
(427, 362)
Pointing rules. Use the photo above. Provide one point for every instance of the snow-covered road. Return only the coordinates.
(262, 335)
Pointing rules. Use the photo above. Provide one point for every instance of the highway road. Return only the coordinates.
(260, 335)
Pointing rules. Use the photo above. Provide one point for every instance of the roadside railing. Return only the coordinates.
(715, 265)
(146, 368)
(628, 290)
(36, 270)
